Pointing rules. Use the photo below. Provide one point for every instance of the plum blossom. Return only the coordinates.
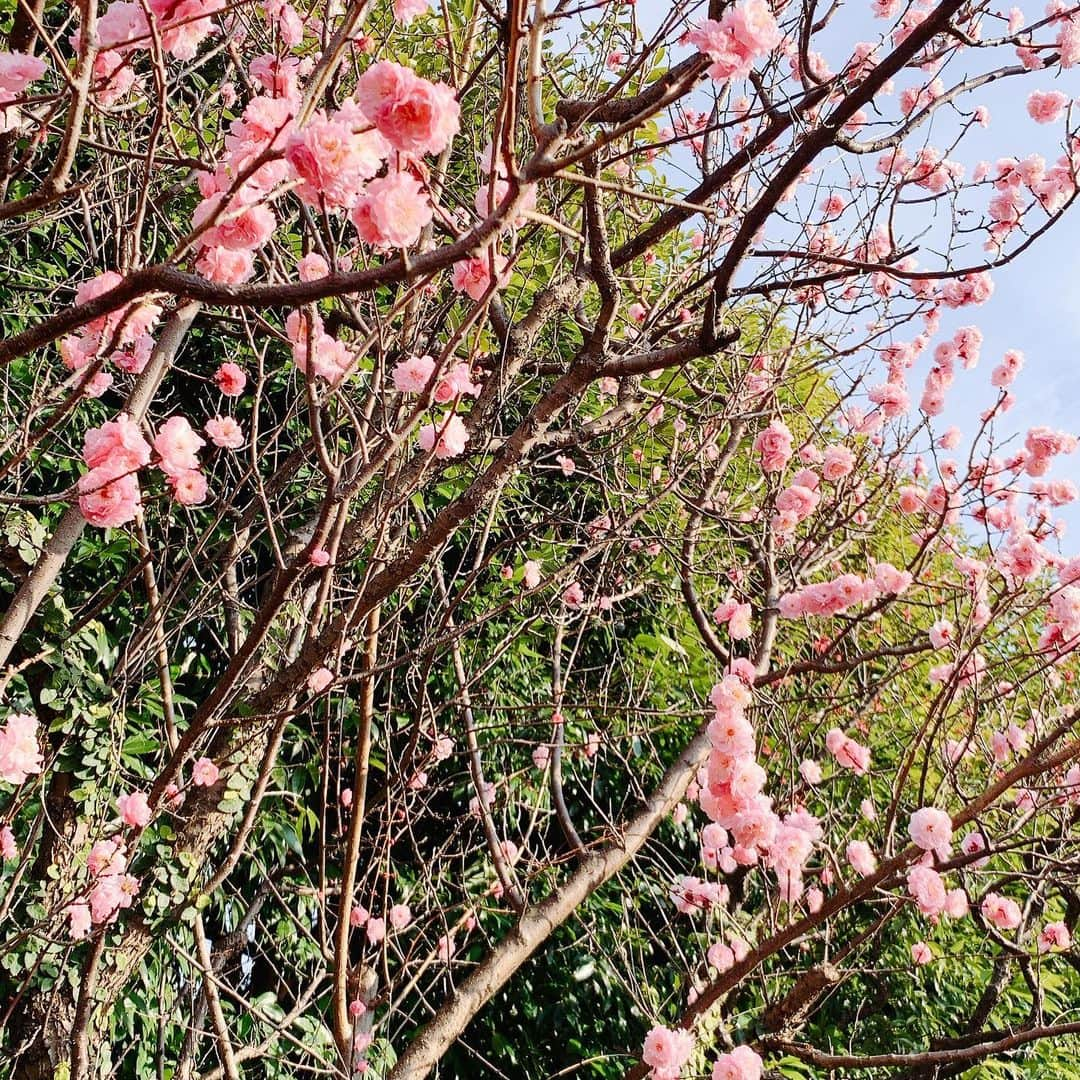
(225, 432)
(177, 445)
(20, 755)
(392, 212)
(446, 437)
(774, 446)
(745, 33)
(931, 830)
(1046, 106)
(415, 116)
(667, 1051)
(742, 1063)
(204, 773)
(1001, 911)
(17, 71)
(134, 809)
(1053, 937)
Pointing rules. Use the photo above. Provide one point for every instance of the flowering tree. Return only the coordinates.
(471, 543)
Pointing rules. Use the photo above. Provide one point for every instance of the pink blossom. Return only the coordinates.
(332, 161)
(810, 771)
(837, 463)
(891, 397)
(742, 1063)
(107, 502)
(117, 447)
(319, 557)
(667, 1051)
(1054, 936)
(927, 888)
(107, 857)
(225, 432)
(9, 849)
(530, 576)
(456, 382)
(942, 633)
(861, 858)
(20, 755)
(240, 227)
(920, 953)
(890, 580)
(1001, 911)
(848, 753)
(312, 267)
(956, 904)
(407, 10)
(392, 211)
(446, 437)
(574, 595)
(110, 894)
(320, 679)
(376, 930)
(204, 773)
(473, 275)
(134, 809)
(931, 830)
(967, 289)
(17, 71)
(1046, 106)
(742, 35)
(774, 446)
(415, 116)
(189, 487)
(79, 920)
(177, 445)
(226, 266)
(720, 956)
(400, 916)
(412, 375)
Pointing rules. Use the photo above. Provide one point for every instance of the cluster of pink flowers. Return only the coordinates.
(774, 446)
(20, 755)
(121, 337)
(667, 1051)
(109, 492)
(448, 435)
(692, 895)
(744, 34)
(333, 156)
(231, 220)
(113, 889)
(124, 29)
(828, 597)
(413, 374)
(415, 116)
(730, 791)
(933, 899)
